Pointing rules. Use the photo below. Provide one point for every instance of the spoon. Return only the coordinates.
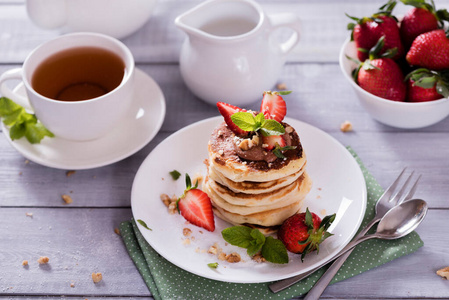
(397, 222)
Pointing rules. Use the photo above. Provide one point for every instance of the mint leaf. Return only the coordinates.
(272, 127)
(246, 121)
(175, 174)
(257, 242)
(238, 236)
(144, 224)
(22, 123)
(274, 251)
(283, 93)
(212, 265)
(278, 150)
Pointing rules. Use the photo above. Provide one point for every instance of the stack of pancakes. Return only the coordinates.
(259, 194)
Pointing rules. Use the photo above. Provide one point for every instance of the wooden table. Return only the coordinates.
(79, 237)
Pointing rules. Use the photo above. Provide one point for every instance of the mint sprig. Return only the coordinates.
(254, 241)
(175, 174)
(21, 123)
(141, 222)
(248, 122)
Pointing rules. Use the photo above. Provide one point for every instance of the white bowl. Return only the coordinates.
(393, 113)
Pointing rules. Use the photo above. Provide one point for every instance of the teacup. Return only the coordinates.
(117, 18)
(72, 102)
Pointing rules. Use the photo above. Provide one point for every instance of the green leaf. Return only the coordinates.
(213, 265)
(426, 82)
(272, 127)
(309, 219)
(327, 221)
(144, 224)
(274, 251)
(278, 150)
(260, 118)
(175, 174)
(245, 121)
(257, 242)
(283, 93)
(36, 132)
(238, 236)
(442, 89)
(17, 131)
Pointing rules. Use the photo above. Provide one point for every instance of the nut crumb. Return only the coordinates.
(20, 173)
(70, 173)
(117, 231)
(222, 256)
(186, 231)
(186, 241)
(444, 273)
(288, 129)
(165, 199)
(221, 152)
(323, 212)
(172, 208)
(72, 285)
(281, 86)
(198, 178)
(97, 277)
(318, 197)
(259, 258)
(27, 161)
(234, 257)
(67, 199)
(29, 215)
(25, 263)
(43, 260)
(212, 250)
(346, 126)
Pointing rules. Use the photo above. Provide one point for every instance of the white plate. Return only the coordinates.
(338, 186)
(143, 121)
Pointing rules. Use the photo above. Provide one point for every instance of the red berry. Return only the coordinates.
(195, 207)
(420, 94)
(269, 142)
(273, 106)
(417, 21)
(430, 50)
(227, 110)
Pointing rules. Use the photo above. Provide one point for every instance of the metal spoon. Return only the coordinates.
(398, 222)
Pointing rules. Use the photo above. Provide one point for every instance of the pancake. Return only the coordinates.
(252, 187)
(224, 159)
(300, 189)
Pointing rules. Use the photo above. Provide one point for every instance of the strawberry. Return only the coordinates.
(381, 76)
(227, 110)
(420, 19)
(425, 85)
(269, 142)
(430, 50)
(273, 106)
(196, 207)
(304, 232)
(368, 30)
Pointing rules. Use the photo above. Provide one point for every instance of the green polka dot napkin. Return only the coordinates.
(166, 281)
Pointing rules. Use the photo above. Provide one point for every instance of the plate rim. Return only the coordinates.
(287, 120)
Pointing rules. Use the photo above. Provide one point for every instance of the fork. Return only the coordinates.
(386, 202)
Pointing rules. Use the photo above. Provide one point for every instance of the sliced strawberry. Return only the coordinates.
(227, 110)
(273, 106)
(195, 207)
(269, 142)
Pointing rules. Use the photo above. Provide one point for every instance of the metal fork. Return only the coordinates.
(383, 205)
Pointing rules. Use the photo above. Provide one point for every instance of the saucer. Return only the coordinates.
(137, 129)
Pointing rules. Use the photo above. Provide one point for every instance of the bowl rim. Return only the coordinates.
(343, 62)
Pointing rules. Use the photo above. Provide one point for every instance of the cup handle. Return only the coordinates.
(8, 93)
(287, 20)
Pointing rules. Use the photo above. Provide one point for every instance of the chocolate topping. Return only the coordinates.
(225, 142)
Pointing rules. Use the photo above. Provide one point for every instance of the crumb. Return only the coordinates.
(25, 263)
(165, 199)
(97, 277)
(29, 215)
(162, 178)
(198, 178)
(346, 126)
(71, 192)
(43, 260)
(172, 208)
(186, 231)
(94, 177)
(288, 129)
(281, 86)
(318, 197)
(20, 173)
(117, 231)
(319, 189)
(70, 173)
(234, 257)
(67, 199)
(259, 258)
(72, 285)
(27, 161)
(192, 238)
(221, 152)
(201, 231)
(444, 273)
(186, 241)
(212, 250)
(206, 162)
(222, 256)
(197, 250)
(323, 212)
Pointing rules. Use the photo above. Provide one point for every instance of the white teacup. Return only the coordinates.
(75, 120)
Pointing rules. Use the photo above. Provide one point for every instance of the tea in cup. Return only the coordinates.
(79, 85)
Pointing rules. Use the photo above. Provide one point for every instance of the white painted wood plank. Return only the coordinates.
(81, 241)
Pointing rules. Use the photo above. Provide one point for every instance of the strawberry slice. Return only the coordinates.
(227, 110)
(195, 206)
(273, 106)
(269, 142)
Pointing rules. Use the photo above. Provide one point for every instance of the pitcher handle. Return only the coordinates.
(8, 93)
(290, 21)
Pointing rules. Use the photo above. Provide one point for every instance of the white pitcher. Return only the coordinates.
(231, 53)
(117, 18)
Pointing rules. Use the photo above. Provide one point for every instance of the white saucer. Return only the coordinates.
(137, 129)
